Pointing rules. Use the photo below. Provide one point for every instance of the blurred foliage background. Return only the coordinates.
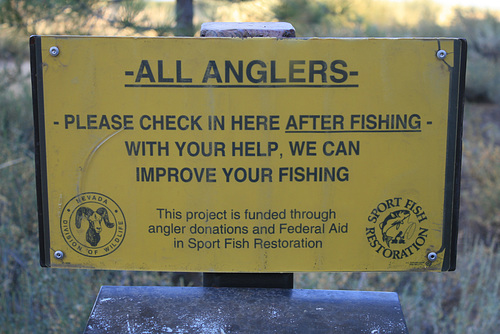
(36, 300)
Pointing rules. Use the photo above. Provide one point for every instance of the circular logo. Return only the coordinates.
(92, 224)
(396, 230)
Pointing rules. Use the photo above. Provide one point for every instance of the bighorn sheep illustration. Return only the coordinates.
(95, 219)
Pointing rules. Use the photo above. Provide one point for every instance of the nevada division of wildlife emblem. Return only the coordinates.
(92, 224)
(397, 228)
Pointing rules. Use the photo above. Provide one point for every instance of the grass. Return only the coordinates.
(37, 300)
(464, 301)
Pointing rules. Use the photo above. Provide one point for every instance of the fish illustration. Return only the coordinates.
(392, 227)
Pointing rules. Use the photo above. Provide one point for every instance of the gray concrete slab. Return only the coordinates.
(120, 309)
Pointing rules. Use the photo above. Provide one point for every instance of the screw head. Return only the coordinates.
(58, 255)
(432, 256)
(441, 54)
(54, 51)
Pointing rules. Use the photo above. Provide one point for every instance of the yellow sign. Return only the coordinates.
(248, 155)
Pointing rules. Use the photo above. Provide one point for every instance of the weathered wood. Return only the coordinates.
(247, 29)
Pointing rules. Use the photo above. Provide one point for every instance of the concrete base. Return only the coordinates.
(243, 310)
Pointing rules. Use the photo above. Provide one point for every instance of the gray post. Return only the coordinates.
(248, 30)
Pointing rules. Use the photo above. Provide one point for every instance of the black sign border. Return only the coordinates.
(454, 155)
(40, 148)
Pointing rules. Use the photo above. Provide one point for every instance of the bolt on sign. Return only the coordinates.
(248, 155)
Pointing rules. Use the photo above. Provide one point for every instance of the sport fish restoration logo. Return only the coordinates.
(397, 228)
(92, 224)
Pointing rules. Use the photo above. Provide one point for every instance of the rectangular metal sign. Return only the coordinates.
(248, 155)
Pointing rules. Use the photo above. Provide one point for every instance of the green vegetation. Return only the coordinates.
(36, 300)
